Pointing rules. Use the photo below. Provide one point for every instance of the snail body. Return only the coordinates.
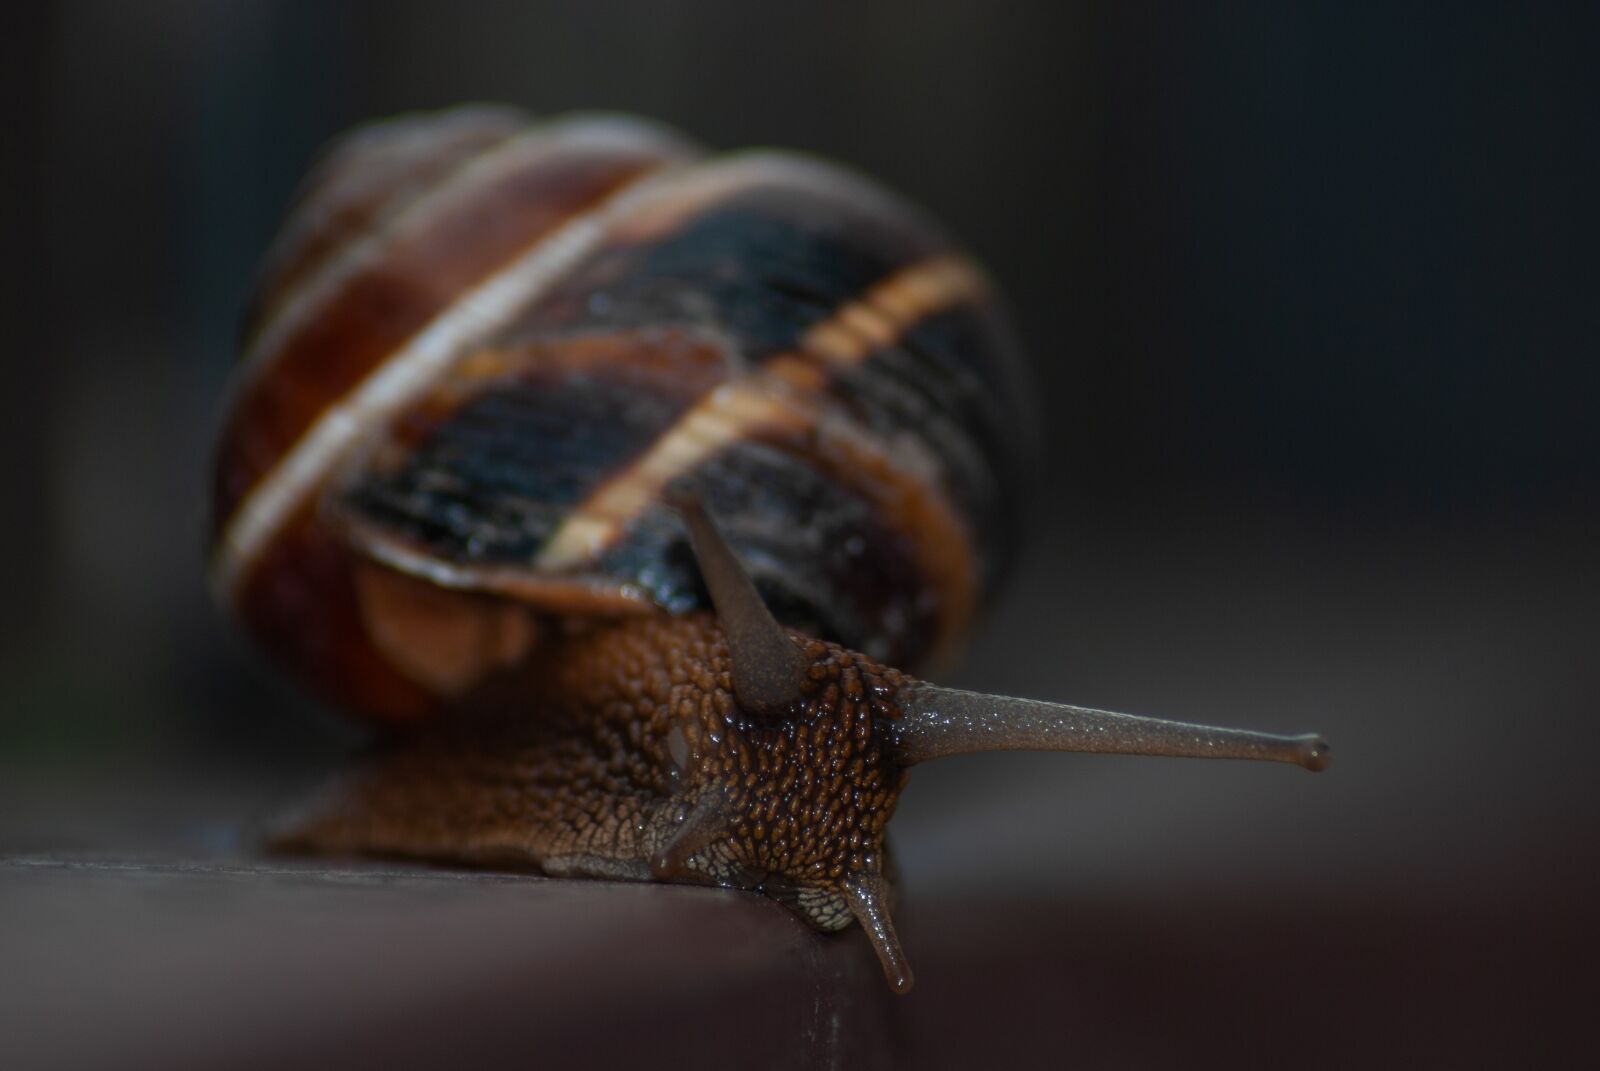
(613, 479)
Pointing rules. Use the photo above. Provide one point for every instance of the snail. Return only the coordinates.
(625, 486)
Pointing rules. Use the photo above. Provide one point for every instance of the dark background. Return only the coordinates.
(1311, 295)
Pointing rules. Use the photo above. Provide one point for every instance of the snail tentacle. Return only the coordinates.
(769, 672)
(937, 722)
(868, 895)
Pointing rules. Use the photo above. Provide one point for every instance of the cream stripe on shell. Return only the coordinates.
(763, 399)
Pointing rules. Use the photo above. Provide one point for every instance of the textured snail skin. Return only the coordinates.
(637, 734)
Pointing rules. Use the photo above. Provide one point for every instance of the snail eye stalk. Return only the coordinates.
(769, 671)
(936, 722)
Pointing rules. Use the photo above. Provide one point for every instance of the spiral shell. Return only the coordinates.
(482, 348)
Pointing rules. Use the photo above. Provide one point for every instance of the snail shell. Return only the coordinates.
(483, 347)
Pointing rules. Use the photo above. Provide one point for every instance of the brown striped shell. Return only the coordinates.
(482, 348)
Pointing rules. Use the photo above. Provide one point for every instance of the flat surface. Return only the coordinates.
(135, 963)
(235, 964)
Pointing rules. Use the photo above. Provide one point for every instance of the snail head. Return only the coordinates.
(790, 778)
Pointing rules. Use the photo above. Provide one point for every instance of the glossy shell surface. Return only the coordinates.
(483, 347)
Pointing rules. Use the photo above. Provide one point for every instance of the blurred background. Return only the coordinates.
(1311, 295)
